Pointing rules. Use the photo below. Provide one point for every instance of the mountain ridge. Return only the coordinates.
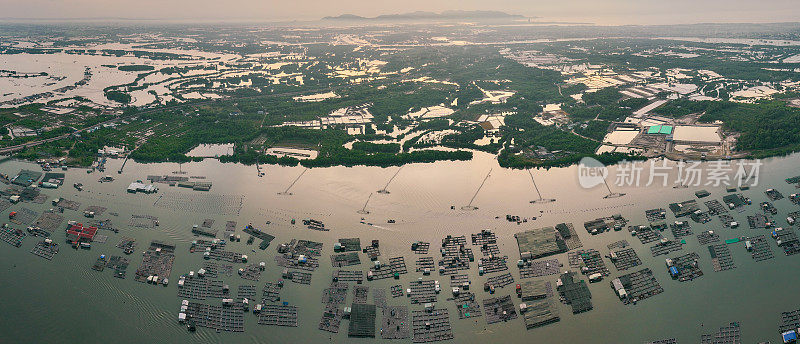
(426, 15)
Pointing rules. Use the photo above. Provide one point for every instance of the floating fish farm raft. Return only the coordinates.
(588, 261)
(119, 265)
(201, 288)
(715, 207)
(379, 298)
(769, 208)
(345, 259)
(684, 208)
(492, 264)
(759, 248)
(300, 262)
(721, 258)
(499, 309)
(331, 319)
(278, 315)
(157, 261)
(664, 341)
(645, 234)
(787, 240)
(666, 247)
(201, 245)
(700, 217)
(604, 224)
(455, 256)
(266, 239)
(574, 293)
(362, 321)
(397, 290)
(685, 267)
(394, 323)
(214, 270)
(728, 221)
(67, 204)
(569, 235)
(372, 251)
(301, 247)
(335, 294)
(348, 245)
(540, 242)
(790, 321)
(246, 292)
(250, 272)
(12, 236)
(96, 210)
(218, 318)
(99, 264)
(422, 292)
(26, 177)
(49, 222)
(624, 259)
(487, 242)
(654, 215)
(204, 231)
(484, 237)
(271, 292)
(467, 306)
(540, 313)
(500, 281)
(230, 227)
(735, 201)
(298, 277)
(534, 290)
(726, 334)
(460, 280)
(618, 244)
(425, 264)
(315, 225)
(707, 237)
(681, 229)
(773, 194)
(636, 286)
(395, 268)
(539, 268)
(431, 326)
(24, 216)
(360, 294)
(46, 249)
(420, 247)
(348, 276)
(143, 221)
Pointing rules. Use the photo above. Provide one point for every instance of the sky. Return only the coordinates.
(603, 12)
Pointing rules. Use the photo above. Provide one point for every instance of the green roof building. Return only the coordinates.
(660, 129)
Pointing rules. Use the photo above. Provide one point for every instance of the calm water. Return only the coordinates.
(64, 300)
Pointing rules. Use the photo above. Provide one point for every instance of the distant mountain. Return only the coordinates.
(427, 16)
(345, 16)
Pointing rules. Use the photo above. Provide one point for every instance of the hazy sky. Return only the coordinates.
(612, 12)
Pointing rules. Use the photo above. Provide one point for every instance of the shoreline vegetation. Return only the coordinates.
(768, 129)
(525, 103)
